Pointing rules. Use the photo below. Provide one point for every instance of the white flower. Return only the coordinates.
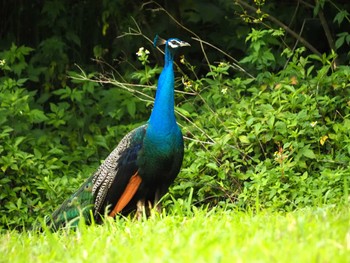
(182, 60)
(313, 124)
(224, 91)
(142, 51)
(139, 53)
(188, 84)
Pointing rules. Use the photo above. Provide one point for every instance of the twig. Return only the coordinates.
(226, 54)
(328, 34)
(197, 38)
(160, 8)
(296, 44)
(307, 4)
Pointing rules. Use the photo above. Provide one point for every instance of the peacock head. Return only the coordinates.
(172, 44)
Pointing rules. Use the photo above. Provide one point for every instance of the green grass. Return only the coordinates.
(308, 235)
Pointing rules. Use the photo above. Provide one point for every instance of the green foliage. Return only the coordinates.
(278, 141)
(149, 74)
(261, 56)
(50, 143)
(273, 135)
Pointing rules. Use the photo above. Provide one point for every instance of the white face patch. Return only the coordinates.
(174, 43)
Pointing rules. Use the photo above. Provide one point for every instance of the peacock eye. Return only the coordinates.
(174, 44)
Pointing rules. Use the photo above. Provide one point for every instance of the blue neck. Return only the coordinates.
(162, 118)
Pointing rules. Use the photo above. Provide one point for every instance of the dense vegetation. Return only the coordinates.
(262, 98)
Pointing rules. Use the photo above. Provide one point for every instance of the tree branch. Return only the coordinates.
(328, 34)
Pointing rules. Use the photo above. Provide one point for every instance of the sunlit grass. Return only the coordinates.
(308, 235)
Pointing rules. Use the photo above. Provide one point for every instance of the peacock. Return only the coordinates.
(139, 171)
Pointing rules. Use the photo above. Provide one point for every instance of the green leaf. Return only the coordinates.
(268, 56)
(100, 140)
(348, 39)
(37, 153)
(250, 121)
(308, 153)
(340, 16)
(20, 82)
(339, 42)
(244, 139)
(212, 166)
(271, 121)
(38, 116)
(73, 37)
(131, 106)
(19, 203)
(19, 140)
(183, 111)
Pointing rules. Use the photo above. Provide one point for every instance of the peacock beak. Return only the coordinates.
(184, 44)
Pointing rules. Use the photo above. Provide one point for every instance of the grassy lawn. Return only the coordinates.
(308, 235)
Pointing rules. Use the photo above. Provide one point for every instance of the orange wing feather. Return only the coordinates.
(128, 193)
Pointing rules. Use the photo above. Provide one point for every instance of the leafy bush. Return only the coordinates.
(51, 142)
(279, 140)
(275, 135)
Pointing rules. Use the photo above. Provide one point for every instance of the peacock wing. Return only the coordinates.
(116, 180)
